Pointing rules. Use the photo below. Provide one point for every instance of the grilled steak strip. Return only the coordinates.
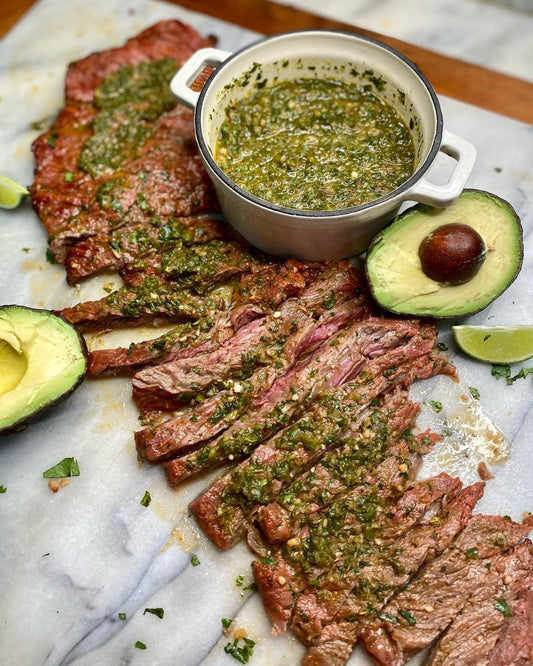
(514, 646)
(475, 631)
(157, 301)
(185, 339)
(274, 342)
(223, 509)
(310, 571)
(433, 598)
(331, 365)
(335, 421)
(231, 398)
(75, 210)
(166, 39)
(261, 341)
(333, 640)
(337, 283)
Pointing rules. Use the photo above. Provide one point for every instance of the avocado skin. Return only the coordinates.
(40, 316)
(394, 286)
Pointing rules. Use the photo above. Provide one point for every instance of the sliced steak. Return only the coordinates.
(223, 509)
(262, 342)
(157, 301)
(133, 242)
(343, 540)
(166, 39)
(429, 603)
(277, 341)
(185, 340)
(476, 629)
(228, 399)
(514, 646)
(331, 365)
(332, 641)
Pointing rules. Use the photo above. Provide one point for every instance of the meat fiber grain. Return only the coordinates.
(332, 642)
(431, 601)
(331, 365)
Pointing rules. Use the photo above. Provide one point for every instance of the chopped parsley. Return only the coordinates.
(140, 645)
(472, 554)
(195, 560)
(407, 617)
(67, 467)
(504, 372)
(155, 611)
(3, 489)
(240, 652)
(501, 606)
(147, 498)
(474, 392)
(388, 618)
(226, 622)
(50, 258)
(122, 616)
(436, 406)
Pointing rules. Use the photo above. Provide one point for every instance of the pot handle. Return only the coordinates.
(442, 195)
(189, 71)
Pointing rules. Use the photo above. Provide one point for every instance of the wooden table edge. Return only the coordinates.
(472, 84)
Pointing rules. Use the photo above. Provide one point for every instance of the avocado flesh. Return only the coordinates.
(395, 273)
(43, 359)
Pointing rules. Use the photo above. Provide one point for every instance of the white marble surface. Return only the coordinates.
(492, 33)
(71, 562)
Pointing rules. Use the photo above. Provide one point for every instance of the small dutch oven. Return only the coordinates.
(332, 234)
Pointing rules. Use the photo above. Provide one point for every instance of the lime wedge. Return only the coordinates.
(495, 344)
(11, 194)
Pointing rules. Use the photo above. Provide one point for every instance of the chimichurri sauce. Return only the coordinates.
(315, 144)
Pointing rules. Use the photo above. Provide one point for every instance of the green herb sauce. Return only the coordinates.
(315, 144)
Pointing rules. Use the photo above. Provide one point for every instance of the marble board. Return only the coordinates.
(79, 567)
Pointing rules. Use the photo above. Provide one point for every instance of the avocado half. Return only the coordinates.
(43, 358)
(394, 270)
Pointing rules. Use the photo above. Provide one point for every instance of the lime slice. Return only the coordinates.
(11, 194)
(495, 344)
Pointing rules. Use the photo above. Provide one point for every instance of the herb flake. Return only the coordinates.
(240, 652)
(407, 617)
(67, 467)
(501, 606)
(147, 498)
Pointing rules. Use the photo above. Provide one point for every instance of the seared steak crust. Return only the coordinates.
(156, 171)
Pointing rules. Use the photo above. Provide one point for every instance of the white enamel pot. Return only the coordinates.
(321, 235)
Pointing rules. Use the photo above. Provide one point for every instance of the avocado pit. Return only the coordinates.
(452, 254)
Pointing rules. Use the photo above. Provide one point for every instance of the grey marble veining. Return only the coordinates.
(71, 562)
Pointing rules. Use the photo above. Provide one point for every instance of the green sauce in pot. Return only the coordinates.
(315, 144)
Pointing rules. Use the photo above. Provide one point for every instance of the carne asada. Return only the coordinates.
(438, 594)
(377, 581)
(514, 646)
(334, 363)
(287, 372)
(486, 611)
